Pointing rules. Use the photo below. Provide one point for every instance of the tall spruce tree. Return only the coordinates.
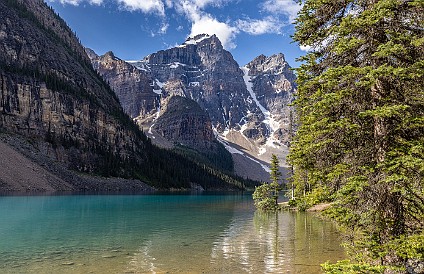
(266, 195)
(360, 106)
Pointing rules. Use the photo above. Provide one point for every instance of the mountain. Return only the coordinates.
(200, 69)
(129, 80)
(270, 81)
(184, 122)
(248, 106)
(53, 102)
(50, 92)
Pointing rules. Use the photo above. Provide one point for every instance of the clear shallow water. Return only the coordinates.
(159, 234)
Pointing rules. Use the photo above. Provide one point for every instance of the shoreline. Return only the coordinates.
(316, 208)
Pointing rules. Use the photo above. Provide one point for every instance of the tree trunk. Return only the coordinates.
(380, 125)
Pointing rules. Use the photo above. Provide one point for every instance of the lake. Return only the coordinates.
(205, 233)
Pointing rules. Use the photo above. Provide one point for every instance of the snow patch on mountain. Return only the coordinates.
(159, 84)
(175, 65)
(139, 65)
(224, 141)
(156, 117)
(272, 124)
(195, 40)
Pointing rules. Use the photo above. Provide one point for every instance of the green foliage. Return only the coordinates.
(360, 113)
(316, 196)
(408, 246)
(264, 198)
(292, 203)
(167, 169)
(266, 195)
(219, 158)
(346, 267)
(275, 173)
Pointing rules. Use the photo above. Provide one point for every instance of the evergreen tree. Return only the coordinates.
(360, 107)
(275, 176)
(266, 195)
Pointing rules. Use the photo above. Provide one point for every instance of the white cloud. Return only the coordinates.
(153, 6)
(169, 3)
(157, 30)
(71, 2)
(209, 25)
(286, 7)
(258, 27)
(204, 23)
(204, 3)
(96, 2)
(164, 28)
(146, 6)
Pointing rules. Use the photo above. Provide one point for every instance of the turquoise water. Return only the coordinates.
(159, 234)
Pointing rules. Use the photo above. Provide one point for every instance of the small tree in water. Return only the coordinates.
(266, 195)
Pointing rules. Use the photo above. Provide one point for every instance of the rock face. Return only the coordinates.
(200, 69)
(49, 92)
(273, 85)
(185, 123)
(133, 86)
(248, 106)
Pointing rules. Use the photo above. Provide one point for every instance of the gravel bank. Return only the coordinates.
(23, 168)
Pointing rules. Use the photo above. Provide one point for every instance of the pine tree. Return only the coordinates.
(360, 107)
(275, 176)
(266, 195)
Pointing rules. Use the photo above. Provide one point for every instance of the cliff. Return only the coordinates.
(184, 122)
(51, 96)
(133, 86)
(50, 92)
(273, 83)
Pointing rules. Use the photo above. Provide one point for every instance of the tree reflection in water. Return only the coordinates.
(283, 242)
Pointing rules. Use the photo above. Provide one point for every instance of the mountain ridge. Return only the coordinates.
(53, 98)
(248, 106)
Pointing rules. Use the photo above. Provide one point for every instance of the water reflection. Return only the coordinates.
(159, 233)
(283, 242)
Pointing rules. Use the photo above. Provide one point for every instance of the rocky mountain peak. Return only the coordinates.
(132, 84)
(275, 64)
(247, 106)
(202, 39)
(196, 39)
(259, 60)
(110, 55)
(91, 53)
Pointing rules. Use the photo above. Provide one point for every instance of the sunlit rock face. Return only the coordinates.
(273, 84)
(200, 69)
(133, 85)
(247, 106)
(50, 93)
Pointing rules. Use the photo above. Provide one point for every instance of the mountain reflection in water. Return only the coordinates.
(159, 234)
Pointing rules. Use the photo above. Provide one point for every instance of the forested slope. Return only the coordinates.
(51, 95)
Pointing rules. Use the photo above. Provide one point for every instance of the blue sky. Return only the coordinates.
(133, 29)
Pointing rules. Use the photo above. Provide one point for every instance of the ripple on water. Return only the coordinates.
(170, 233)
